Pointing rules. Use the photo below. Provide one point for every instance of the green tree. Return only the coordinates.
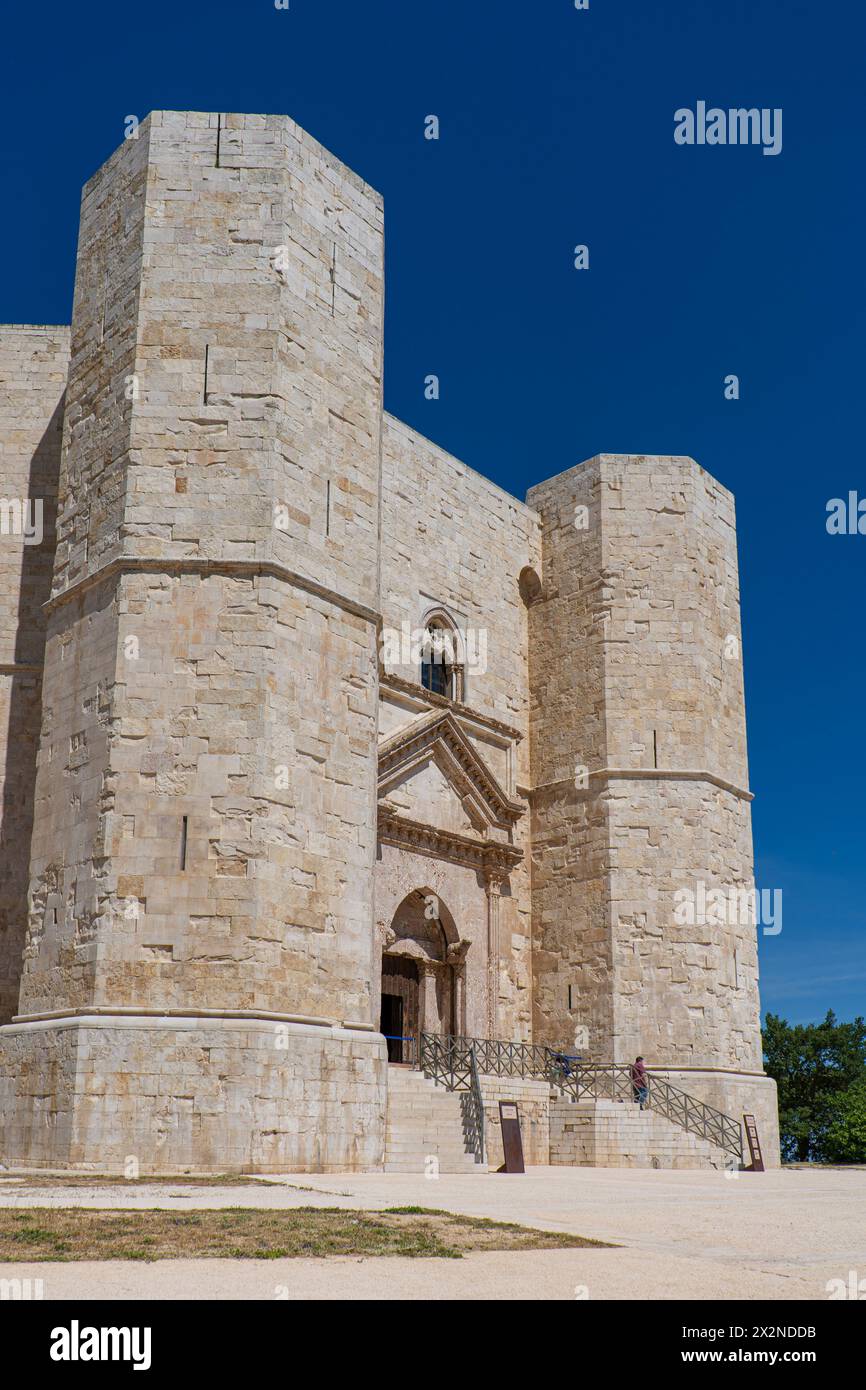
(844, 1137)
(813, 1065)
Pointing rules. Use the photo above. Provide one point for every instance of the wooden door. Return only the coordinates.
(400, 983)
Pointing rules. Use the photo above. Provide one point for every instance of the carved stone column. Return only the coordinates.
(493, 886)
(457, 960)
(428, 1013)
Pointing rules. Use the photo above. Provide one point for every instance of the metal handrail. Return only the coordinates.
(451, 1060)
(446, 1060)
(613, 1082)
(472, 1104)
(497, 1058)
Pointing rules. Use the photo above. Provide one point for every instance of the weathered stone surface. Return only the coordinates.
(164, 1095)
(33, 367)
(639, 772)
(256, 803)
(608, 1134)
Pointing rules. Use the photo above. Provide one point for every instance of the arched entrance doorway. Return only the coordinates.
(422, 975)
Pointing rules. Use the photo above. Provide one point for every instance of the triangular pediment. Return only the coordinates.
(432, 771)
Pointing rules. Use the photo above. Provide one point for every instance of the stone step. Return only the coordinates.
(406, 1134)
(470, 1167)
(402, 1138)
(424, 1121)
(425, 1150)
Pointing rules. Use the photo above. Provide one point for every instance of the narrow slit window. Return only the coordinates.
(184, 832)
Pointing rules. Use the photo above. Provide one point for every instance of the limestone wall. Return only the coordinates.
(33, 367)
(191, 1094)
(70, 877)
(570, 830)
(451, 538)
(211, 694)
(609, 1134)
(637, 678)
(686, 990)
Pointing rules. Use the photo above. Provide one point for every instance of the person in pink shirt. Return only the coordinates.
(639, 1081)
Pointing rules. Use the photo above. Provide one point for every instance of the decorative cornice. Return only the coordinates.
(204, 567)
(131, 1011)
(491, 856)
(644, 774)
(470, 774)
(389, 681)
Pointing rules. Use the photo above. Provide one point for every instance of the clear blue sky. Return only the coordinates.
(557, 129)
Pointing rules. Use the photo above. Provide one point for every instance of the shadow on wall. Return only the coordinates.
(25, 716)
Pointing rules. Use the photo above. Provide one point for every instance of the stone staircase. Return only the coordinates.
(424, 1121)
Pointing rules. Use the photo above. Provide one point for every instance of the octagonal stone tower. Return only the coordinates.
(641, 810)
(196, 981)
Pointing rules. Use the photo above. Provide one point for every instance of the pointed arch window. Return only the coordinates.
(441, 668)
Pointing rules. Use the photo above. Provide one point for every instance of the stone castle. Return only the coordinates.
(313, 740)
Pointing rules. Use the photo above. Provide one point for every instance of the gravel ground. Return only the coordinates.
(698, 1235)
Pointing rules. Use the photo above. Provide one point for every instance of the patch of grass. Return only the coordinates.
(37, 1242)
(80, 1233)
(117, 1180)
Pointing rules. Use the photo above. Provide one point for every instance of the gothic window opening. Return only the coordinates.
(441, 669)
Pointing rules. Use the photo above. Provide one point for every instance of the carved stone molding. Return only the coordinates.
(418, 692)
(385, 935)
(486, 855)
(439, 735)
(456, 953)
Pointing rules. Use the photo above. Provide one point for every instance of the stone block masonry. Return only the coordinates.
(33, 366)
(228, 817)
(641, 781)
(608, 1134)
(205, 797)
(532, 1098)
(171, 1095)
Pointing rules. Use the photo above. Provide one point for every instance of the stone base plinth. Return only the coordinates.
(210, 1094)
(736, 1094)
(618, 1134)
